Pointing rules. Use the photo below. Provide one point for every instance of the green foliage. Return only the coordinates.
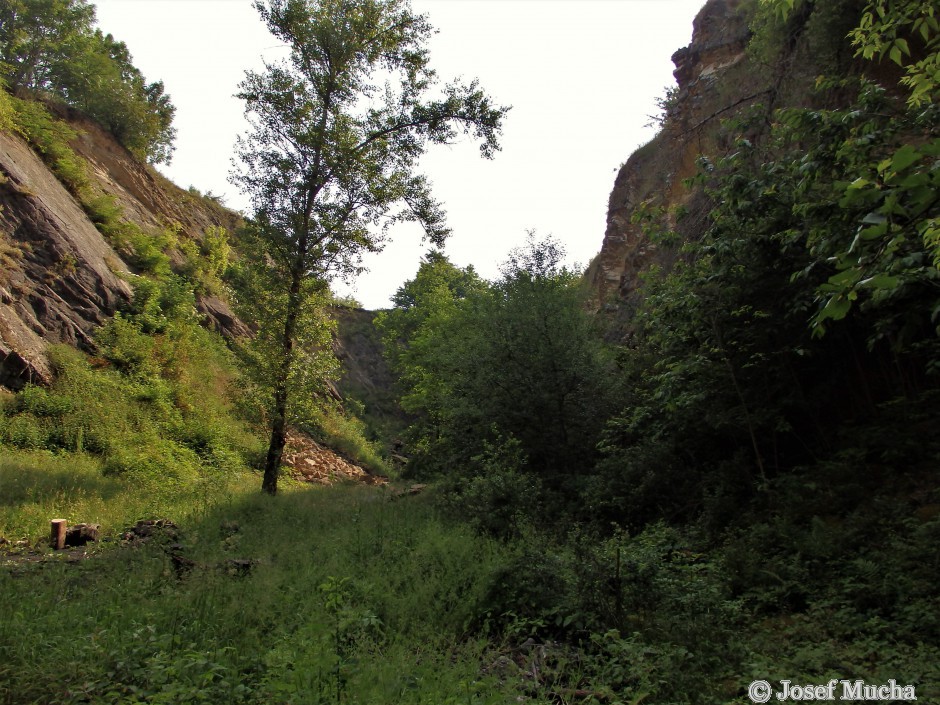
(666, 107)
(436, 286)
(907, 33)
(374, 611)
(777, 487)
(7, 111)
(501, 499)
(346, 301)
(207, 259)
(312, 363)
(819, 226)
(52, 47)
(323, 168)
(51, 138)
(163, 306)
(147, 251)
(880, 166)
(517, 361)
(158, 412)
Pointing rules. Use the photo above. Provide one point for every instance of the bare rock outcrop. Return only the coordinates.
(60, 279)
(719, 77)
(654, 174)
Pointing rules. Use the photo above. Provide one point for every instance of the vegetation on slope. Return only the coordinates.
(327, 171)
(745, 489)
(52, 48)
(771, 404)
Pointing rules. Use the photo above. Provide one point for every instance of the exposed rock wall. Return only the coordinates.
(59, 277)
(366, 374)
(713, 78)
(718, 76)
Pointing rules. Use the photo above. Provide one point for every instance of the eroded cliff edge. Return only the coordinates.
(711, 73)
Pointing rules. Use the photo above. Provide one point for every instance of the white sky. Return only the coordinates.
(582, 77)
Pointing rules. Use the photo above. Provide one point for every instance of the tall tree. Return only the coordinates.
(332, 155)
(518, 361)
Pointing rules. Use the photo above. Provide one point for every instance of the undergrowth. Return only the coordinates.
(353, 598)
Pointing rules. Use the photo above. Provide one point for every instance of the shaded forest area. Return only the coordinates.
(730, 475)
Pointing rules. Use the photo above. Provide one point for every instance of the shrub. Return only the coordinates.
(51, 138)
(23, 431)
(207, 260)
(42, 402)
(496, 495)
(123, 343)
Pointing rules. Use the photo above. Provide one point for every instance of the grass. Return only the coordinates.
(353, 598)
(339, 595)
(37, 486)
(356, 596)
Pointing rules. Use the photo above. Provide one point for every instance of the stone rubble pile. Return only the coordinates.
(311, 462)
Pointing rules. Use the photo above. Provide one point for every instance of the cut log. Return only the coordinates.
(57, 534)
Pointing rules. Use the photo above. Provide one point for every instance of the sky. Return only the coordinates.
(582, 77)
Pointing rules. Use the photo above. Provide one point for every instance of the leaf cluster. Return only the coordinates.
(52, 48)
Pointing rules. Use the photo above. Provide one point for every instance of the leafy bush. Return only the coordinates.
(155, 408)
(147, 251)
(23, 431)
(42, 402)
(123, 343)
(498, 496)
(207, 259)
(519, 358)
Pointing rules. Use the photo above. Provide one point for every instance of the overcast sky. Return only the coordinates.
(582, 76)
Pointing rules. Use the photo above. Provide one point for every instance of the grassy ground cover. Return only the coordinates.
(352, 594)
(350, 597)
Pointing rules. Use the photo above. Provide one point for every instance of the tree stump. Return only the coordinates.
(57, 537)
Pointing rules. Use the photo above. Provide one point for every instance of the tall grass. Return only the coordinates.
(37, 486)
(351, 598)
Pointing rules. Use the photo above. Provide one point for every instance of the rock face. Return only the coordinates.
(713, 78)
(719, 76)
(59, 277)
(366, 374)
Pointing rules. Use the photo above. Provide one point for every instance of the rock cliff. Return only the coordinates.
(718, 75)
(712, 74)
(59, 277)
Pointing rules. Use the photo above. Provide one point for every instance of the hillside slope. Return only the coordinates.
(61, 277)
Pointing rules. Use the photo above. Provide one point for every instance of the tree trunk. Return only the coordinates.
(272, 463)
